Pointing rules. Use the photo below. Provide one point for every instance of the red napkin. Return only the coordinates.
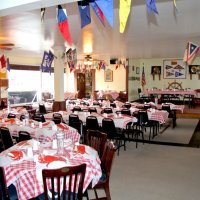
(22, 143)
(60, 126)
(81, 149)
(48, 159)
(45, 123)
(11, 120)
(16, 154)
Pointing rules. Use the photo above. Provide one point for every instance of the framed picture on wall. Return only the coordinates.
(137, 70)
(108, 75)
(174, 69)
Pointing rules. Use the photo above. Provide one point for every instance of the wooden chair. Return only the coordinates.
(56, 180)
(106, 165)
(96, 140)
(4, 190)
(24, 135)
(6, 138)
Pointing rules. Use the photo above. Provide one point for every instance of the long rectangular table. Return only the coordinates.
(167, 91)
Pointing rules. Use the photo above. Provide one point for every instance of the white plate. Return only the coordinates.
(57, 164)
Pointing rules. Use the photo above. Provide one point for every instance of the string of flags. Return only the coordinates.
(104, 9)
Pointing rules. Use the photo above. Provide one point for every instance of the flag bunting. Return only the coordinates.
(124, 11)
(84, 10)
(63, 24)
(151, 6)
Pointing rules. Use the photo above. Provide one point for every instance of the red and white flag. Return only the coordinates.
(143, 79)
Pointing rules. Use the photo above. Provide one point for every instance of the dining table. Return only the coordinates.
(41, 131)
(23, 165)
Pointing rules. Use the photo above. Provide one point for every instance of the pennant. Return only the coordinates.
(174, 1)
(177, 74)
(124, 11)
(151, 6)
(47, 61)
(8, 64)
(84, 10)
(116, 67)
(63, 24)
(3, 61)
(98, 12)
(42, 12)
(190, 52)
(107, 9)
(143, 79)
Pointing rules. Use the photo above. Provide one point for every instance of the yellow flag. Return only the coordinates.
(124, 10)
(174, 3)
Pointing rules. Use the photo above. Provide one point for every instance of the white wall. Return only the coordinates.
(119, 79)
(162, 83)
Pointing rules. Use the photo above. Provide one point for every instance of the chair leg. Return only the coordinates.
(107, 191)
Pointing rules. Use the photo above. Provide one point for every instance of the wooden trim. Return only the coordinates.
(59, 105)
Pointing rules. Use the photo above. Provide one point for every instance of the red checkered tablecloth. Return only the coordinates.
(26, 175)
(160, 116)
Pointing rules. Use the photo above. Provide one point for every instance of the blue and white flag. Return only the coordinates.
(84, 10)
(47, 61)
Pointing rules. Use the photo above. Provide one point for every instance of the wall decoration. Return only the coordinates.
(175, 69)
(137, 70)
(108, 75)
(194, 69)
(156, 70)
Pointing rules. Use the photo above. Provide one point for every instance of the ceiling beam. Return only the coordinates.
(9, 7)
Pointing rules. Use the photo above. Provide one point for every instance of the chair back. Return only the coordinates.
(11, 115)
(147, 106)
(73, 118)
(107, 159)
(39, 118)
(42, 109)
(24, 135)
(64, 183)
(127, 105)
(109, 128)
(22, 117)
(113, 105)
(4, 190)
(107, 110)
(126, 111)
(76, 108)
(31, 113)
(142, 117)
(6, 137)
(96, 140)
(92, 109)
(57, 118)
(92, 123)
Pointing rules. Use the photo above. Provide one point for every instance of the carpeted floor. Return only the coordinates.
(159, 172)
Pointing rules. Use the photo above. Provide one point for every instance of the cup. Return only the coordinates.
(30, 152)
(40, 124)
(60, 143)
(32, 125)
(23, 122)
(35, 145)
(54, 144)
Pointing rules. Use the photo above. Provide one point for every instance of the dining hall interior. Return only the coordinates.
(117, 103)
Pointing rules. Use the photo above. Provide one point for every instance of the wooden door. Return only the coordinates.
(81, 85)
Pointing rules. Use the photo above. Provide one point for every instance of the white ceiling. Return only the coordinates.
(146, 35)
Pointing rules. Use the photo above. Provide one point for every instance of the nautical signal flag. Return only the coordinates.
(3, 61)
(124, 10)
(107, 9)
(8, 64)
(190, 52)
(98, 12)
(151, 6)
(47, 60)
(63, 24)
(84, 10)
